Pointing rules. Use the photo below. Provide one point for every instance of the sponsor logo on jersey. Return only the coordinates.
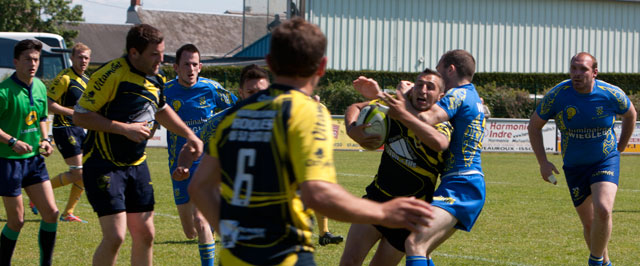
(32, 117)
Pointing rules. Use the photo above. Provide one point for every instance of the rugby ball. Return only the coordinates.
(376, 116)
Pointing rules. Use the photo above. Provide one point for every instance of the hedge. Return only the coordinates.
(506, 94)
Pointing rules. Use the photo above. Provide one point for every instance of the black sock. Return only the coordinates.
(8, 241)
(47, 240)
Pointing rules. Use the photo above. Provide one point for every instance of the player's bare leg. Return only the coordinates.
(386, 254)
(114, 229)
(428, 238)
(360, 240)
(142, 233)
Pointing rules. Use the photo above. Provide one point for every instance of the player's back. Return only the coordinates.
(267, 146)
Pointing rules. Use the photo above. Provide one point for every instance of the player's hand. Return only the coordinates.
(397, 105)
(404, 86)
(409, 213)
(547, 169)
(367, 87)
(366, 140)
(194, 146)
(21, 147)
(181, 173)
(45, 148)
(137, 131)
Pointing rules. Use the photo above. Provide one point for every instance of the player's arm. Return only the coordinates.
(137, 132)
(433, 116)
(58, 109)
(169, 119)
(628, 125)
(428, 134)
(20, 147)
(336, 203)
(204, 189)
(536, 123)
(369, 88)
(357, 132)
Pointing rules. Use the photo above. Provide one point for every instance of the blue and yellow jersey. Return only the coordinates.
(268, 145)
(408, 167)
(22, 107)
(585, 121)
(464, 108)
(194, 105)
(66, 90)
(121, 93)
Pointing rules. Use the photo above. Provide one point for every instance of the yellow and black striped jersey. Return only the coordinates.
(66, 90)
(408, 167)
(121, 93)
(268, 145)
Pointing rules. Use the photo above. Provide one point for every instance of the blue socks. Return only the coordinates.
(595, 261)
(417, 261)
(207, 253)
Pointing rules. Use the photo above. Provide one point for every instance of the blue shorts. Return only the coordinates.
(69, 140)
(114, 189)
(463, 197)
(581, 177)
(16, 174)
(180, 194)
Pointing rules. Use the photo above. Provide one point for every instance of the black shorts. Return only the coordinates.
(114, 189)
(69, 140)
(16, 174)
(395, 236)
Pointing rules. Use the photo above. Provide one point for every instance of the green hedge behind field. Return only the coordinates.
(506, 94)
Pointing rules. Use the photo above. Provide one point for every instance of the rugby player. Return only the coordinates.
(63, 95)
(122, 102)
(585, 109)
(412, 160)
(195, 99)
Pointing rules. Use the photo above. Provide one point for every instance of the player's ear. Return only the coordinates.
(199, 67)
(322, 67)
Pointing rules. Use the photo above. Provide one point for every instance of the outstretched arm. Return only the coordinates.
(428, 134)
(169, 119)
(336, 203)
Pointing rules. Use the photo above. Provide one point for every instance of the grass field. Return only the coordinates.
(525, 221)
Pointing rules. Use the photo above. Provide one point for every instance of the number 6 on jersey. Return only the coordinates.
(246, 158)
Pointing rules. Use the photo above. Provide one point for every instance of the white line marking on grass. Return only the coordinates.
(155, 213)
(347, 174)
(628, 190)
(480, 259)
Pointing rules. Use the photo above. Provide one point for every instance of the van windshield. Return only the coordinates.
(50, 65)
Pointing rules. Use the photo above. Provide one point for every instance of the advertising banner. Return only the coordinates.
(511, 135)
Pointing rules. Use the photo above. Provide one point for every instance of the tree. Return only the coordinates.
(40, 16)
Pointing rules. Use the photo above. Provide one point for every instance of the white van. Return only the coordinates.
(53, 58)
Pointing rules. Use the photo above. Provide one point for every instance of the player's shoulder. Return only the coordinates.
(209, 83)
(608, 87)
(111, 69)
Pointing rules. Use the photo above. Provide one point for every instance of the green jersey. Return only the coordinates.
(22, 107)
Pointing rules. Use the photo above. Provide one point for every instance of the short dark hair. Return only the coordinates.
(593, 58)
(141, 35)
(24, 45)
(297, 48)
(429, 71)
(188, 48)
(463, 61)
(252, 71)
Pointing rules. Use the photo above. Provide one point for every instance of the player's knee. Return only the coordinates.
(75, 175)
(601, 212)
(113, 240)
(15, 224)
(50, 216)
(144, 237)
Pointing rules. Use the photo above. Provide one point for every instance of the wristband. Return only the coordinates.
(47, 140)
(12, 141)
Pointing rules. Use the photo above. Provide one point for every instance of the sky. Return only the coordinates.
(115, 11)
